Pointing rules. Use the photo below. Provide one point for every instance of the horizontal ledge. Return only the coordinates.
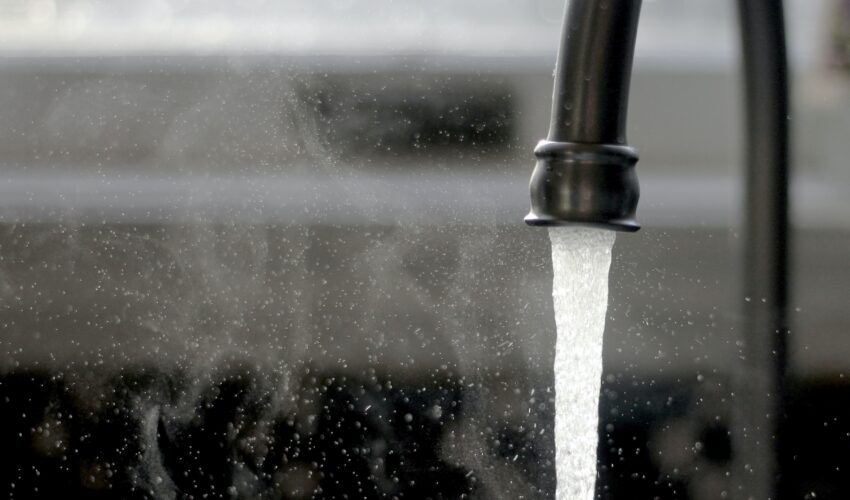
(352, 197)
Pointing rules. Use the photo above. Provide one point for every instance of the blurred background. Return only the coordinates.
(276, 250)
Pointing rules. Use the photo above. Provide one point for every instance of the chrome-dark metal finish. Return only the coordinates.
(585, 171)
(760, 386)
(584, 184)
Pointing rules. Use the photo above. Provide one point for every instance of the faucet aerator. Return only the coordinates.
(584, 184)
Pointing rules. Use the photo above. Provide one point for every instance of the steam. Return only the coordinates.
(154, 477)
(237, 327)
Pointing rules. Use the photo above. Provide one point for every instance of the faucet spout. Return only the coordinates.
(585, 172)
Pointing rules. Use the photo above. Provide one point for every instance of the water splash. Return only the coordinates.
(581, 259)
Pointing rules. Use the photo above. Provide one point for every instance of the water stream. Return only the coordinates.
(581, 259)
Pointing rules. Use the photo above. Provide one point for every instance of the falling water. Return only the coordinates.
(580, 260)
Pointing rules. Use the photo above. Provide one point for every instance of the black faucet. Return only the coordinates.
(585, 171)
(585, 175)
